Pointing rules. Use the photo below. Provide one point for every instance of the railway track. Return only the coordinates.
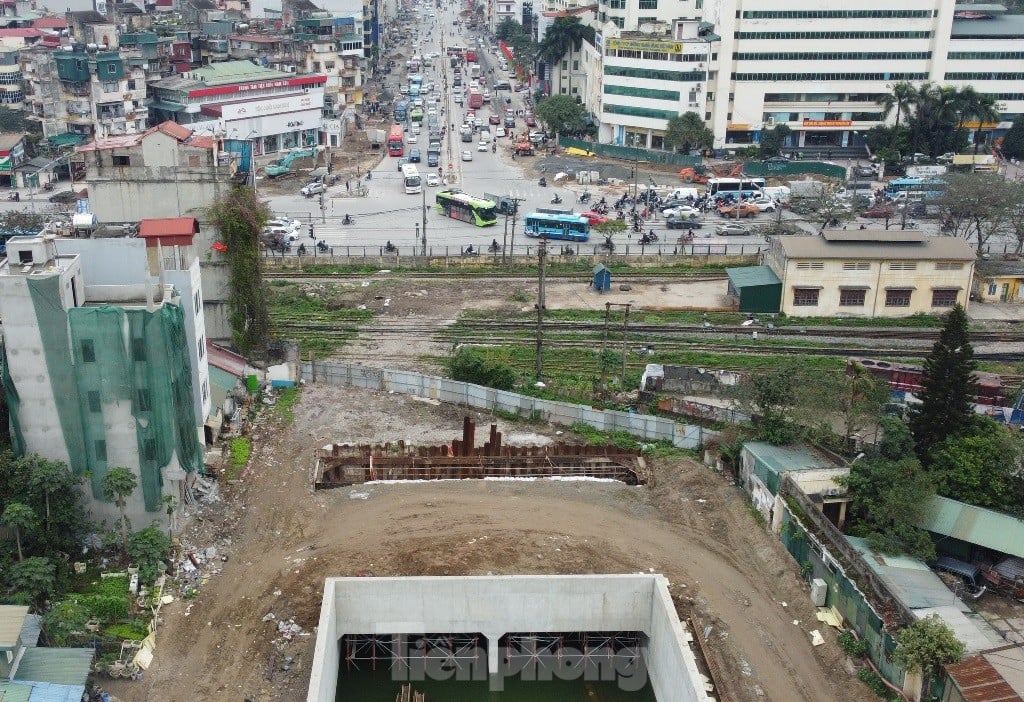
(464, 274)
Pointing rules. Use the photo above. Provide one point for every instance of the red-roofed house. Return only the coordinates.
(53, 22)
(167, 171)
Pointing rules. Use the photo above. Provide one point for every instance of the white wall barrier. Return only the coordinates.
(645, 426)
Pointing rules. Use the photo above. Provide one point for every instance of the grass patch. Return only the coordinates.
(285, 406)
(241, 449)
(321, 322)
(132, 631)
(628, 442)
(484, 266)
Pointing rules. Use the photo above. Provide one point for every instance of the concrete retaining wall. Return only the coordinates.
(497, 605)
(644, 426)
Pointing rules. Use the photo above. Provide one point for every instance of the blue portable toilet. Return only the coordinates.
(602, 280)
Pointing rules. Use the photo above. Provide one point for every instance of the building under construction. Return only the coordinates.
(346, 464)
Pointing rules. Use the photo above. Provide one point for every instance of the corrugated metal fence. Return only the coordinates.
(644, 426)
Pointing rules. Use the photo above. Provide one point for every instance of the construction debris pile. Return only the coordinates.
(346, 464)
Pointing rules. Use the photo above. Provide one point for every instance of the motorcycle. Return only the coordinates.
(322, 246)
(648, 238)
(568, 251)
(543, 182)
(470, 251)
(348, 220)
(390, 248)
(556, 200)
(495, 247)
(585, 196)
(16, 196)
(302, 249)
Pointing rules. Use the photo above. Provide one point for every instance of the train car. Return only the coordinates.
(904, 378)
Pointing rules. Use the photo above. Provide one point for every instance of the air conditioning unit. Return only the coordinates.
(770, 121)
(290, 69)
(694, 104)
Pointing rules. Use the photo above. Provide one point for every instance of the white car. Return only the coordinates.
(467, 155)
(412, 139)
(432, 180)
(681, 212)
(479, 121)
(482, 146)
(313, 189)
(765, 204)
(414, 129)
(499, 132)
(286, 223)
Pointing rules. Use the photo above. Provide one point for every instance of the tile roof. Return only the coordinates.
(168, 226)
(11, 619)
(877, 245)
(64, 666)
(24, 32)
(980, 681)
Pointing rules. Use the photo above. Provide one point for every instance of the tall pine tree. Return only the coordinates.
(945, 408)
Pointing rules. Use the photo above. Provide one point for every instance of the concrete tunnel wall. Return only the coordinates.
(496, 605)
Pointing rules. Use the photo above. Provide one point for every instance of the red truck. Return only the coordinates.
(470, 56)
(476, 99)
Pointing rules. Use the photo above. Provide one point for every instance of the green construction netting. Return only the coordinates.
(13, 405)
(844, 596)
(140, 358)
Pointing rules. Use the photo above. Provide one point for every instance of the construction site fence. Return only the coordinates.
(822, 551)
(630, 153)
(643, 426)
(783, 169)
(590, 254)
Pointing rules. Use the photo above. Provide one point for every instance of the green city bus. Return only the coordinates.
(459, 205)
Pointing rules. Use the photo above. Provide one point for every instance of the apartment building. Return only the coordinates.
(98, 372)
(332, 44)
(99, 94)
(817, 66)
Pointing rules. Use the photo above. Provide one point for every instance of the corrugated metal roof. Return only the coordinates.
(17, 691)
(752, 276)
(907, 578)
(30, 630)
(976, 525)
(64, 666)
(11, 619)
(781, 459)
(981, 681)
(231, 72)
(932, 248)
(14, 692)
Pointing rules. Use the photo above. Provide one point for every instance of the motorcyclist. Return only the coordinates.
(302, 249)
(389, 246)
(494, 245)
(469, 250)
(347, 219)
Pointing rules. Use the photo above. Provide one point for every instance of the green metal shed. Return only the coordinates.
(757, 288)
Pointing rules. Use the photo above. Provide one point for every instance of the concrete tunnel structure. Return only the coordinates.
(496, 606)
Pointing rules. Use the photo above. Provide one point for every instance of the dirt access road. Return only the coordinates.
(283, 540)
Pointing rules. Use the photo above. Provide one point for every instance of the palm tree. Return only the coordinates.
(18, 516)
(565, 35)
(975, 107)
(118, 484)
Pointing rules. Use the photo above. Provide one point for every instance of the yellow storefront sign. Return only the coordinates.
(670, 47)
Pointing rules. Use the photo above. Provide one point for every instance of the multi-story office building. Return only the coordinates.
(817, 67)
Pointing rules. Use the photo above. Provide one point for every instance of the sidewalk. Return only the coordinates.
(996, 311)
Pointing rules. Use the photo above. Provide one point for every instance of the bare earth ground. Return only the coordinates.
(283, 540)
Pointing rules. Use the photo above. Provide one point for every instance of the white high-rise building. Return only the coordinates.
(818, 66)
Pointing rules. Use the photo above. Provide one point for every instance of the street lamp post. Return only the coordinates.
(423, 190)
(635, 138)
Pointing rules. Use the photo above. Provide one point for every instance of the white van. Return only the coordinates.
(776, 192)
(683, 193)
(485, 136)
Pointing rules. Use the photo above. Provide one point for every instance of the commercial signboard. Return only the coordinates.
(828, 123)
(670, 47)
(272, 106)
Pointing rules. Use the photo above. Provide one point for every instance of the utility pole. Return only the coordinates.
(604, 347)
(515, 211)
(504, 238)
(423, 190)
(625, 343)
(542, 254)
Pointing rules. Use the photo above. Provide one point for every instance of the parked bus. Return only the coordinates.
(459, 205)
(736, 187)
(411, 179)
(401, 111)
(931, 187)
(396, 140)
(565, 226)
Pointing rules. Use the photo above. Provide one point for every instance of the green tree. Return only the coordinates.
(977, 206)
(901, 97)
(21, 518)
(982, 467)
(889, 495)
(507, 29)
(118, 485)
(772, 140)
(945, 408)
(853, 400)
(565, 35)
(470, 365)
(34, 578)
(48, 478)
(772, 398)
(147, 549)
(976, 107)
(927, 645)
(1013, 141)
(687, 131)
(562, 114)
(240, 218)
(64, 618)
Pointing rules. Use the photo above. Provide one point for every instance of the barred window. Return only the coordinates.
(833, 35)
(983, 75)
(834, 14)
(805, 297)
(856, 266)
(808, 77)
(852, 298)
(944, 297)
(832, 55)
(898, 297)
(642, 92)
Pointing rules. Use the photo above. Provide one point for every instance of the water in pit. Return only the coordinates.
(369, 686)
(587, 667)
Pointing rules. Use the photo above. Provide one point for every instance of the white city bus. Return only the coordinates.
(737, 187)
(411, 179)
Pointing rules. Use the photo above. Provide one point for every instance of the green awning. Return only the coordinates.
(165, 106)
(5, 165)
(67, 139)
